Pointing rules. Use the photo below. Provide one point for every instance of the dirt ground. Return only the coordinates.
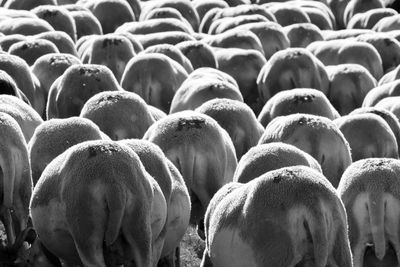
(192, 248)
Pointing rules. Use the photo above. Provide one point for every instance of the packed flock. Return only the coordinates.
(270, 127)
